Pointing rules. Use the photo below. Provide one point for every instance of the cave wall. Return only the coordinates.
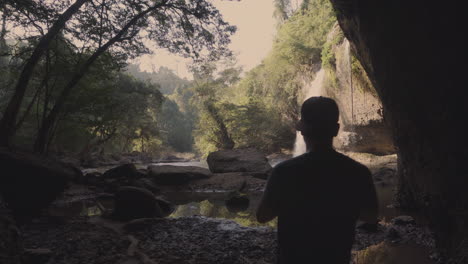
(414, 52)
(363, 128)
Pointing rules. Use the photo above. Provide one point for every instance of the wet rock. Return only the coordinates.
(221, 181)
(132, 203)
(238, 160)
(392, 234)
(92, 178)
(128, 171)
(231, 181)
(139, 224)
(36, 256)
(30, 183)
(142, 172)
(167, 207)
(146, 184)
(91, 162)
(177, 175)
(403, 220)
(238, 203)
(261, 175)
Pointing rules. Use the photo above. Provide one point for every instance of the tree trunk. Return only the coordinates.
(226, 141)
(8, 122)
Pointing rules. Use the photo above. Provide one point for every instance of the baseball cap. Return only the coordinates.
(318, 114)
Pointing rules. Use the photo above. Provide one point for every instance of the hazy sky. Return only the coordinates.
(252, 41)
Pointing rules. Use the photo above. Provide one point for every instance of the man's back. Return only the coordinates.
(319, 196)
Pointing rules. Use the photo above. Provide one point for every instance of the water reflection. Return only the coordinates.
(213, 205)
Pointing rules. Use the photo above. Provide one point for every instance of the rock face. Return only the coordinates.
(29, 183)
(238, 160)
(132, 203)
(361, 118)
(421, 80)
(176, 175)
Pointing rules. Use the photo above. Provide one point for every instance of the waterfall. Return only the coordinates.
(314, 89)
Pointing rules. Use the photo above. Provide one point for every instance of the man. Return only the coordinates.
(318, 196)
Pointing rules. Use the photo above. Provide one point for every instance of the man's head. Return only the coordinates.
(319, 119)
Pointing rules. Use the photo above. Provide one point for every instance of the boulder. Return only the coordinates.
(147, 184)
(132, 203)
(167, 207)
(30, 183)
(403, 220)
(237, 203)
(176, 175)
(238, 160)
(231, 181)
(128, 171)
(92, 178)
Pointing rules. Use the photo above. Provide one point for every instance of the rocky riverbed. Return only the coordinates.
(203, 227)
(194, 239)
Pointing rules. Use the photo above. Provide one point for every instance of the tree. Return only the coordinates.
(193, 28)
(8, 121)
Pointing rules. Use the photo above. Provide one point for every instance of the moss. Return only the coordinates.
(360, 77)
(328, 56)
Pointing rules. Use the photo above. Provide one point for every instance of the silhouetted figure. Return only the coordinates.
(318, 196)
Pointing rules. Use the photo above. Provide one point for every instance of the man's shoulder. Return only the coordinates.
(352, 163)
(291, 163)
(339, 158)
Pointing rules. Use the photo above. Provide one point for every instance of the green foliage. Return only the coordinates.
(95, 30)
(361, 78)
(301, 38)
(112, 111)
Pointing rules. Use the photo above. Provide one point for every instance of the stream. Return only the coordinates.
(211, 204)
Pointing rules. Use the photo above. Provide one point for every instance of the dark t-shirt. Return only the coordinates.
(318, 197)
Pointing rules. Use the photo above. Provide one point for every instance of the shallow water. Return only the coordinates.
(212, 204)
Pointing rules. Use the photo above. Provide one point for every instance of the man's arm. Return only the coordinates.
(369, 203)
(269, 204)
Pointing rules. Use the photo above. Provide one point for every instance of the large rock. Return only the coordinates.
(176, 175)
(30, 183)
(237, 202)
(132, 203)
(238, 160)
(123, 171)
(230, 181)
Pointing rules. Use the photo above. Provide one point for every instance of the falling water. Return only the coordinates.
(314, 89)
